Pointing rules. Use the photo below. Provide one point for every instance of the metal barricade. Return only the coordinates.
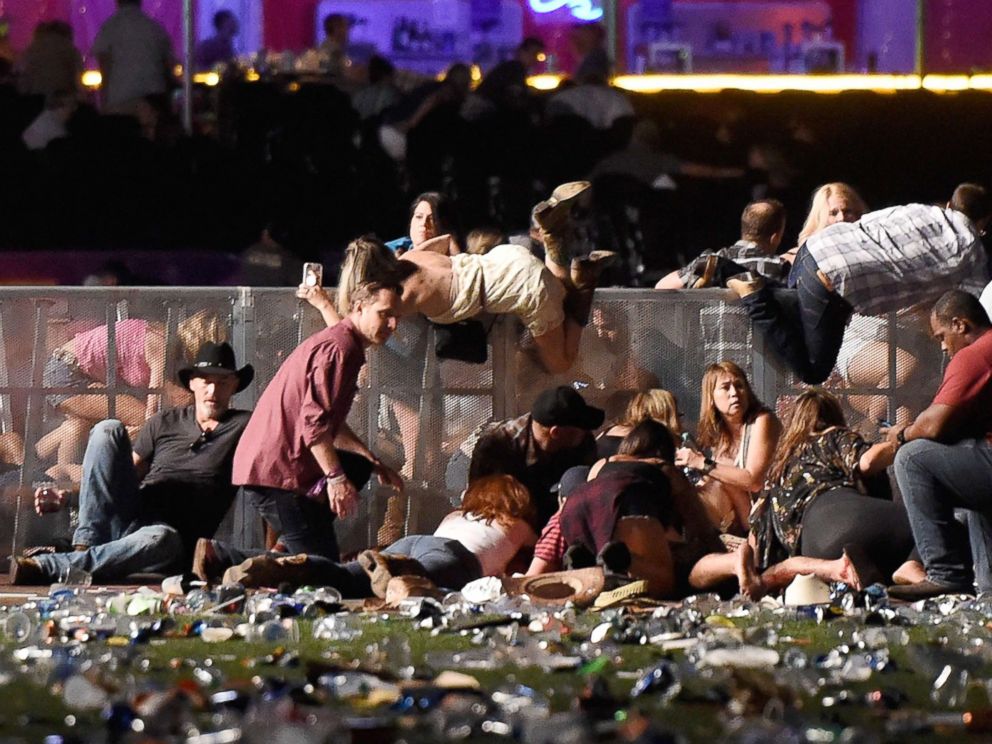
(417, 412)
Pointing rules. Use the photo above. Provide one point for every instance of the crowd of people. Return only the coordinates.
(320, 158)
(755, 498)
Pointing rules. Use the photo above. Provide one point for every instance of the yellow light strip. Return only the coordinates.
(778, 83)
(713, 83)
(93, 78)
(766, 83)
(943, 83)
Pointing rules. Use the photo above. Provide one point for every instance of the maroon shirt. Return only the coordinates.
(967, 385)
(308, 400)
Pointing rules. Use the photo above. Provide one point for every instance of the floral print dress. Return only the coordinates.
(828, 460)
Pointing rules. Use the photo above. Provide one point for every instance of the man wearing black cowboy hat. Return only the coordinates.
(143, 510)
(299, 464)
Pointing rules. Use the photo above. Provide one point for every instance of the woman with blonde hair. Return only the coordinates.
(736, 439)
(655, 404)
(506, 280)
(863, 360)
(79, 366)
(832, 203)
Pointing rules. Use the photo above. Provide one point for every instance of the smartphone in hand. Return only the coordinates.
(313, 275)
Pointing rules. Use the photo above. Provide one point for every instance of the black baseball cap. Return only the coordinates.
(563, 406)
(570, 480)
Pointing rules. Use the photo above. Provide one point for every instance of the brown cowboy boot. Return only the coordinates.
(586, 271)
(553, 217)
(269, 570)
(381, 567)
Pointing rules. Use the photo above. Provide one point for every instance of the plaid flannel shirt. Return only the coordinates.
(747, 254)
(897, 257)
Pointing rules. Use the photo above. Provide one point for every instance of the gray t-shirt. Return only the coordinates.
(140, 56)
(188, 485)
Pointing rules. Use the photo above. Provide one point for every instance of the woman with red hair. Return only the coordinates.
(479, 539)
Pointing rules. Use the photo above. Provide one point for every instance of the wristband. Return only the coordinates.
(901, 437)
(708, 464)
(334, 473)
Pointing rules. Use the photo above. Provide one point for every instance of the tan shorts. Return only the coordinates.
(507, 280)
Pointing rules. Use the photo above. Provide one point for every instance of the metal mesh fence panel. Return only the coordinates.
(417, 412)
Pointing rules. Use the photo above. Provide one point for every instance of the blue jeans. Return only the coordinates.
(448, 563)
(803, 324)
(122, 541)
(935, 479)
(304, 525)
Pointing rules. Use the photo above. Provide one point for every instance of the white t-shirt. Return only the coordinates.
(140, 53)
(494, 544)
(986, 299)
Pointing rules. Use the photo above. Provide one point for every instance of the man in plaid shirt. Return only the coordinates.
(886, 261)
(762, 228)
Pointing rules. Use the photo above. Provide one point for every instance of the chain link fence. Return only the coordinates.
(418, 413)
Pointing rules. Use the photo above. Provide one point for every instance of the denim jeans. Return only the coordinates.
(121, 540)
(448, 563)
(935, 479)
(304, 525)
(803, 324)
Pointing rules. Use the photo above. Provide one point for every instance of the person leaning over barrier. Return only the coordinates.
(762, 228)
(299, 464)
(144, 510)
(553, 299)
(886, 261)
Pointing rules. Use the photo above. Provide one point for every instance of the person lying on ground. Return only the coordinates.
(494, 523)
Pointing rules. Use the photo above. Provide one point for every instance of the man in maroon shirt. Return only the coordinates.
(946, 461)
(298, 463)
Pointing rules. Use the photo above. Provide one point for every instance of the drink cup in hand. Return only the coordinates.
(48, 499)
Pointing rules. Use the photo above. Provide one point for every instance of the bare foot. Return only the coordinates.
(910, 572)
(750, 582)
(845, 571)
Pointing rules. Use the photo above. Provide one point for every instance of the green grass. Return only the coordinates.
(29, 710)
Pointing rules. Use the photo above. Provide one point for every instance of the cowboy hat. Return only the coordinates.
(580, 586)
(216, 359)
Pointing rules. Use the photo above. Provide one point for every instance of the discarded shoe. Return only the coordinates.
(633, 590)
